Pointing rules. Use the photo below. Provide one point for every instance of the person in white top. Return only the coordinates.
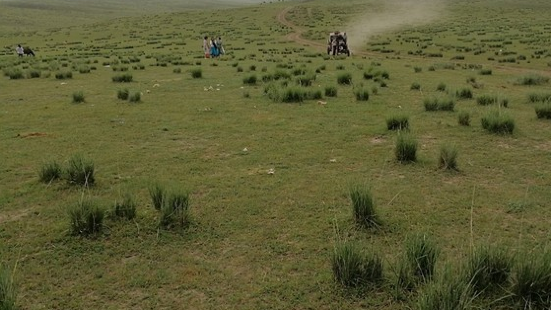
(20, 51)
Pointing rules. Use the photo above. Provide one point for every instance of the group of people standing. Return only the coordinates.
(213, 47)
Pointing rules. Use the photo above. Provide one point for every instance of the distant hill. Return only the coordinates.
(28, 15)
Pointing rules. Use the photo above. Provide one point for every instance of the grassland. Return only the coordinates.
(268, 181)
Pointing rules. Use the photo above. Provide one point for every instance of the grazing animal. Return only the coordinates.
(28, 51)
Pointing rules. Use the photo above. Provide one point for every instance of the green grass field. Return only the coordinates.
(268, 163)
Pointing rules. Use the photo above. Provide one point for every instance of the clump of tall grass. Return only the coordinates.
(352, 268)
(344, 78)
(122, 78)
(415, 86)
(33, 73)
(488, 268)
(464, 93)
(123, 94)
(126, 208)
(406, 148)
(498, 122)
(485, 72)
(14, 73)
(331, 91)
(450, 292)
(8, 293)
(80, 171)
(361, 94)
(404, 281)
(85, 218)
(441, 86)
(135, 97)
(439, 104)
(306, 80)
(49, 172)
(158, 195)
(539, 97)
(531, 281)
(175, 210)
(363, 207)
(84, 69)
(78, 96)
(421, 255)
(486, 99)
(250, 80)
(464, 118)
(63, 75)
(532, 79)
(448, 157)
(544, 110)
(397, 122)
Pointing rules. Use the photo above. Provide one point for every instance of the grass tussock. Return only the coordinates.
(363, 207)
(532, 79)
(397, 122)
(122, 78)
(406, 148)
(331, 91)
(439, 104)
(158, 196)
(80, 171)
(531, 281)
(123, 94)
(126, 208)
(352, 268)
(498, 122)
(543, 111)
(344, 78)
(415, 86)
(175, 210)
(196, 73)
(488, 268)
(85, 218)
(135, 97)
(450, 292)
(447, 158)
(8, 293)
(421, 255)
(539, 97)
(464, 118)
(78, 97)
(464, 93)
(361, 94)
(49, 172)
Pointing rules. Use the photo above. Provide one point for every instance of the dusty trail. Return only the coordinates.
(382, 24)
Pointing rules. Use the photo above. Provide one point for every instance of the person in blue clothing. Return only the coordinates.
(214, 51)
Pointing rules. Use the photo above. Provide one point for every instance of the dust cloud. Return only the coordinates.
(392, 15)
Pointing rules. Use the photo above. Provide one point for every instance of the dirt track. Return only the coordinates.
(296, 36)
